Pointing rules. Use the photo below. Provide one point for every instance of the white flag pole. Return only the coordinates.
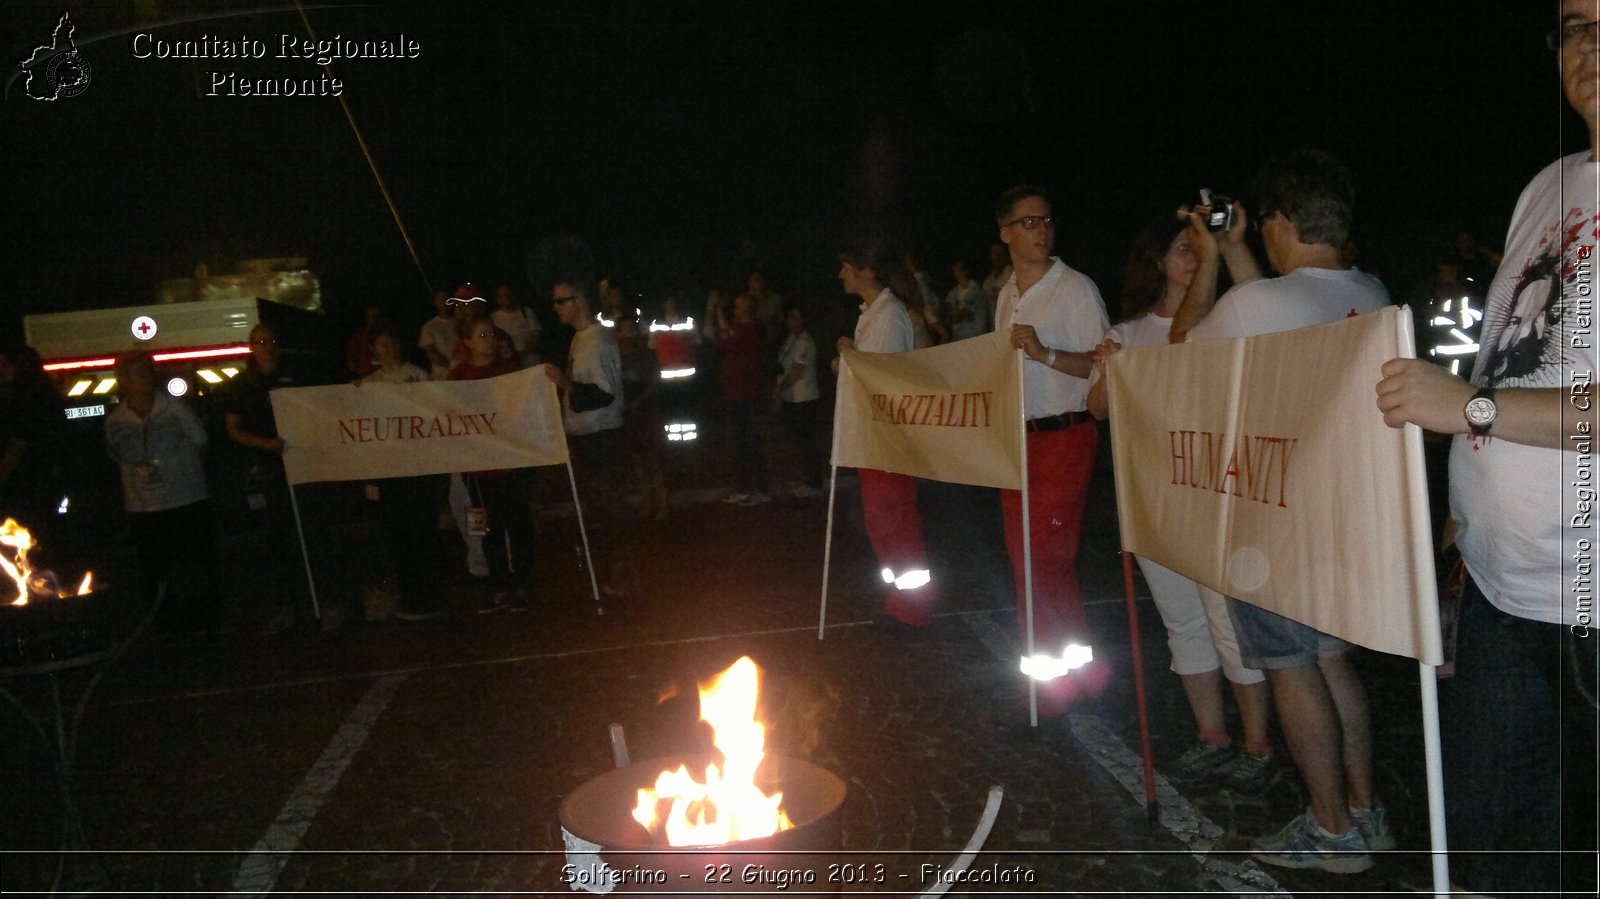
(827, 552)
(304, 555)
(1431, 752)
(1027, 539)
(833, 486)
(583, 533)
(1421, 539)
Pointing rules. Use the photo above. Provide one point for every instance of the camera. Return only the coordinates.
(1220, 218)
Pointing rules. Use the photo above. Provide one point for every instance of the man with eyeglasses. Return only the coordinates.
(1519, 717)
(1055, 315)
(592, 414)
(1307, 201)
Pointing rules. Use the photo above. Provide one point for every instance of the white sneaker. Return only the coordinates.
(1374, 826)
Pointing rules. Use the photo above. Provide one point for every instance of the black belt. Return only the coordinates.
(1057, 422)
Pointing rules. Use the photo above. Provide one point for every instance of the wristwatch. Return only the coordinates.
(1481, 412)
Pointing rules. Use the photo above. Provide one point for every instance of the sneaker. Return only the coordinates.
(494, 603)
(1201, 761)
(1249, 774)
(405, 615)
(1304, 844)
(806, 492)
(1374, 826)
(756, 499)
(736, 499)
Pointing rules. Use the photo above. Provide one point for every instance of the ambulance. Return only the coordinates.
(198, 335)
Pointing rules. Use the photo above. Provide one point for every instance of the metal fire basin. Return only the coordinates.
(605, 845)
(50, 633)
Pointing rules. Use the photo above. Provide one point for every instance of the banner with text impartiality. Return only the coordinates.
(1261, 467)
(346, 432)
(947, 413)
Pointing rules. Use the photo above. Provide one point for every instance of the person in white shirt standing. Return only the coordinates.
(158, 442)
(888, 499)
(1519, 717)
(1055, 315)
(797, 395)
(1307, 201)
(520, 322)
(592, 405)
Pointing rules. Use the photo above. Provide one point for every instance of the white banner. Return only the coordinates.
(346, 432)
(947, 413)
(1262, 468)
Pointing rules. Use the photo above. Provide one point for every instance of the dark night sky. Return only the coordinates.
(684, 141)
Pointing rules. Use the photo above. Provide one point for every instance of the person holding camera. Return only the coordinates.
(1519, 717)
(1306, 201)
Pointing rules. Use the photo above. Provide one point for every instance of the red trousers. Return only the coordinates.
(1059, 466)
(894, 526)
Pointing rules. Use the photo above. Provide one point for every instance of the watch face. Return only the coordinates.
(1481, 411)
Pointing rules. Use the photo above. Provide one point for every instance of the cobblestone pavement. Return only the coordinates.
(389, 756)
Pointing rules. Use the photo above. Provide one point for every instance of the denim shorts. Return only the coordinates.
(1269, 640)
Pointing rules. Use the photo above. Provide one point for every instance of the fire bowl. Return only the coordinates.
(606, 846)
(57, 631)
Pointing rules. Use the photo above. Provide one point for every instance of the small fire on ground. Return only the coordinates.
(31, 583)
(724, 806)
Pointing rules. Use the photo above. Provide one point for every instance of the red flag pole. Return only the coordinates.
(1138, 688)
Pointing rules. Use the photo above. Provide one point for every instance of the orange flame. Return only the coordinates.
(30, 583)
(726, 806)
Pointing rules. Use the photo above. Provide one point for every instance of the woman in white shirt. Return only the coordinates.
(157, 442)
(1200, 634)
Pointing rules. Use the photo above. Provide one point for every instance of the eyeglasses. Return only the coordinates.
(1030, 222)
(1262, 218)
(1568, 32)
(562, 301)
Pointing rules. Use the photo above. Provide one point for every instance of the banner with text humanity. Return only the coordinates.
(947, 413)
(345, 432)
(1261, 467)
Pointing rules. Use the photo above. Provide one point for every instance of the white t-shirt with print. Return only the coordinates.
(1522, 509)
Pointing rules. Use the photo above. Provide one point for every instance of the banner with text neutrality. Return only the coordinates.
(947, 413)
(345, 432)
(1261, 468)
